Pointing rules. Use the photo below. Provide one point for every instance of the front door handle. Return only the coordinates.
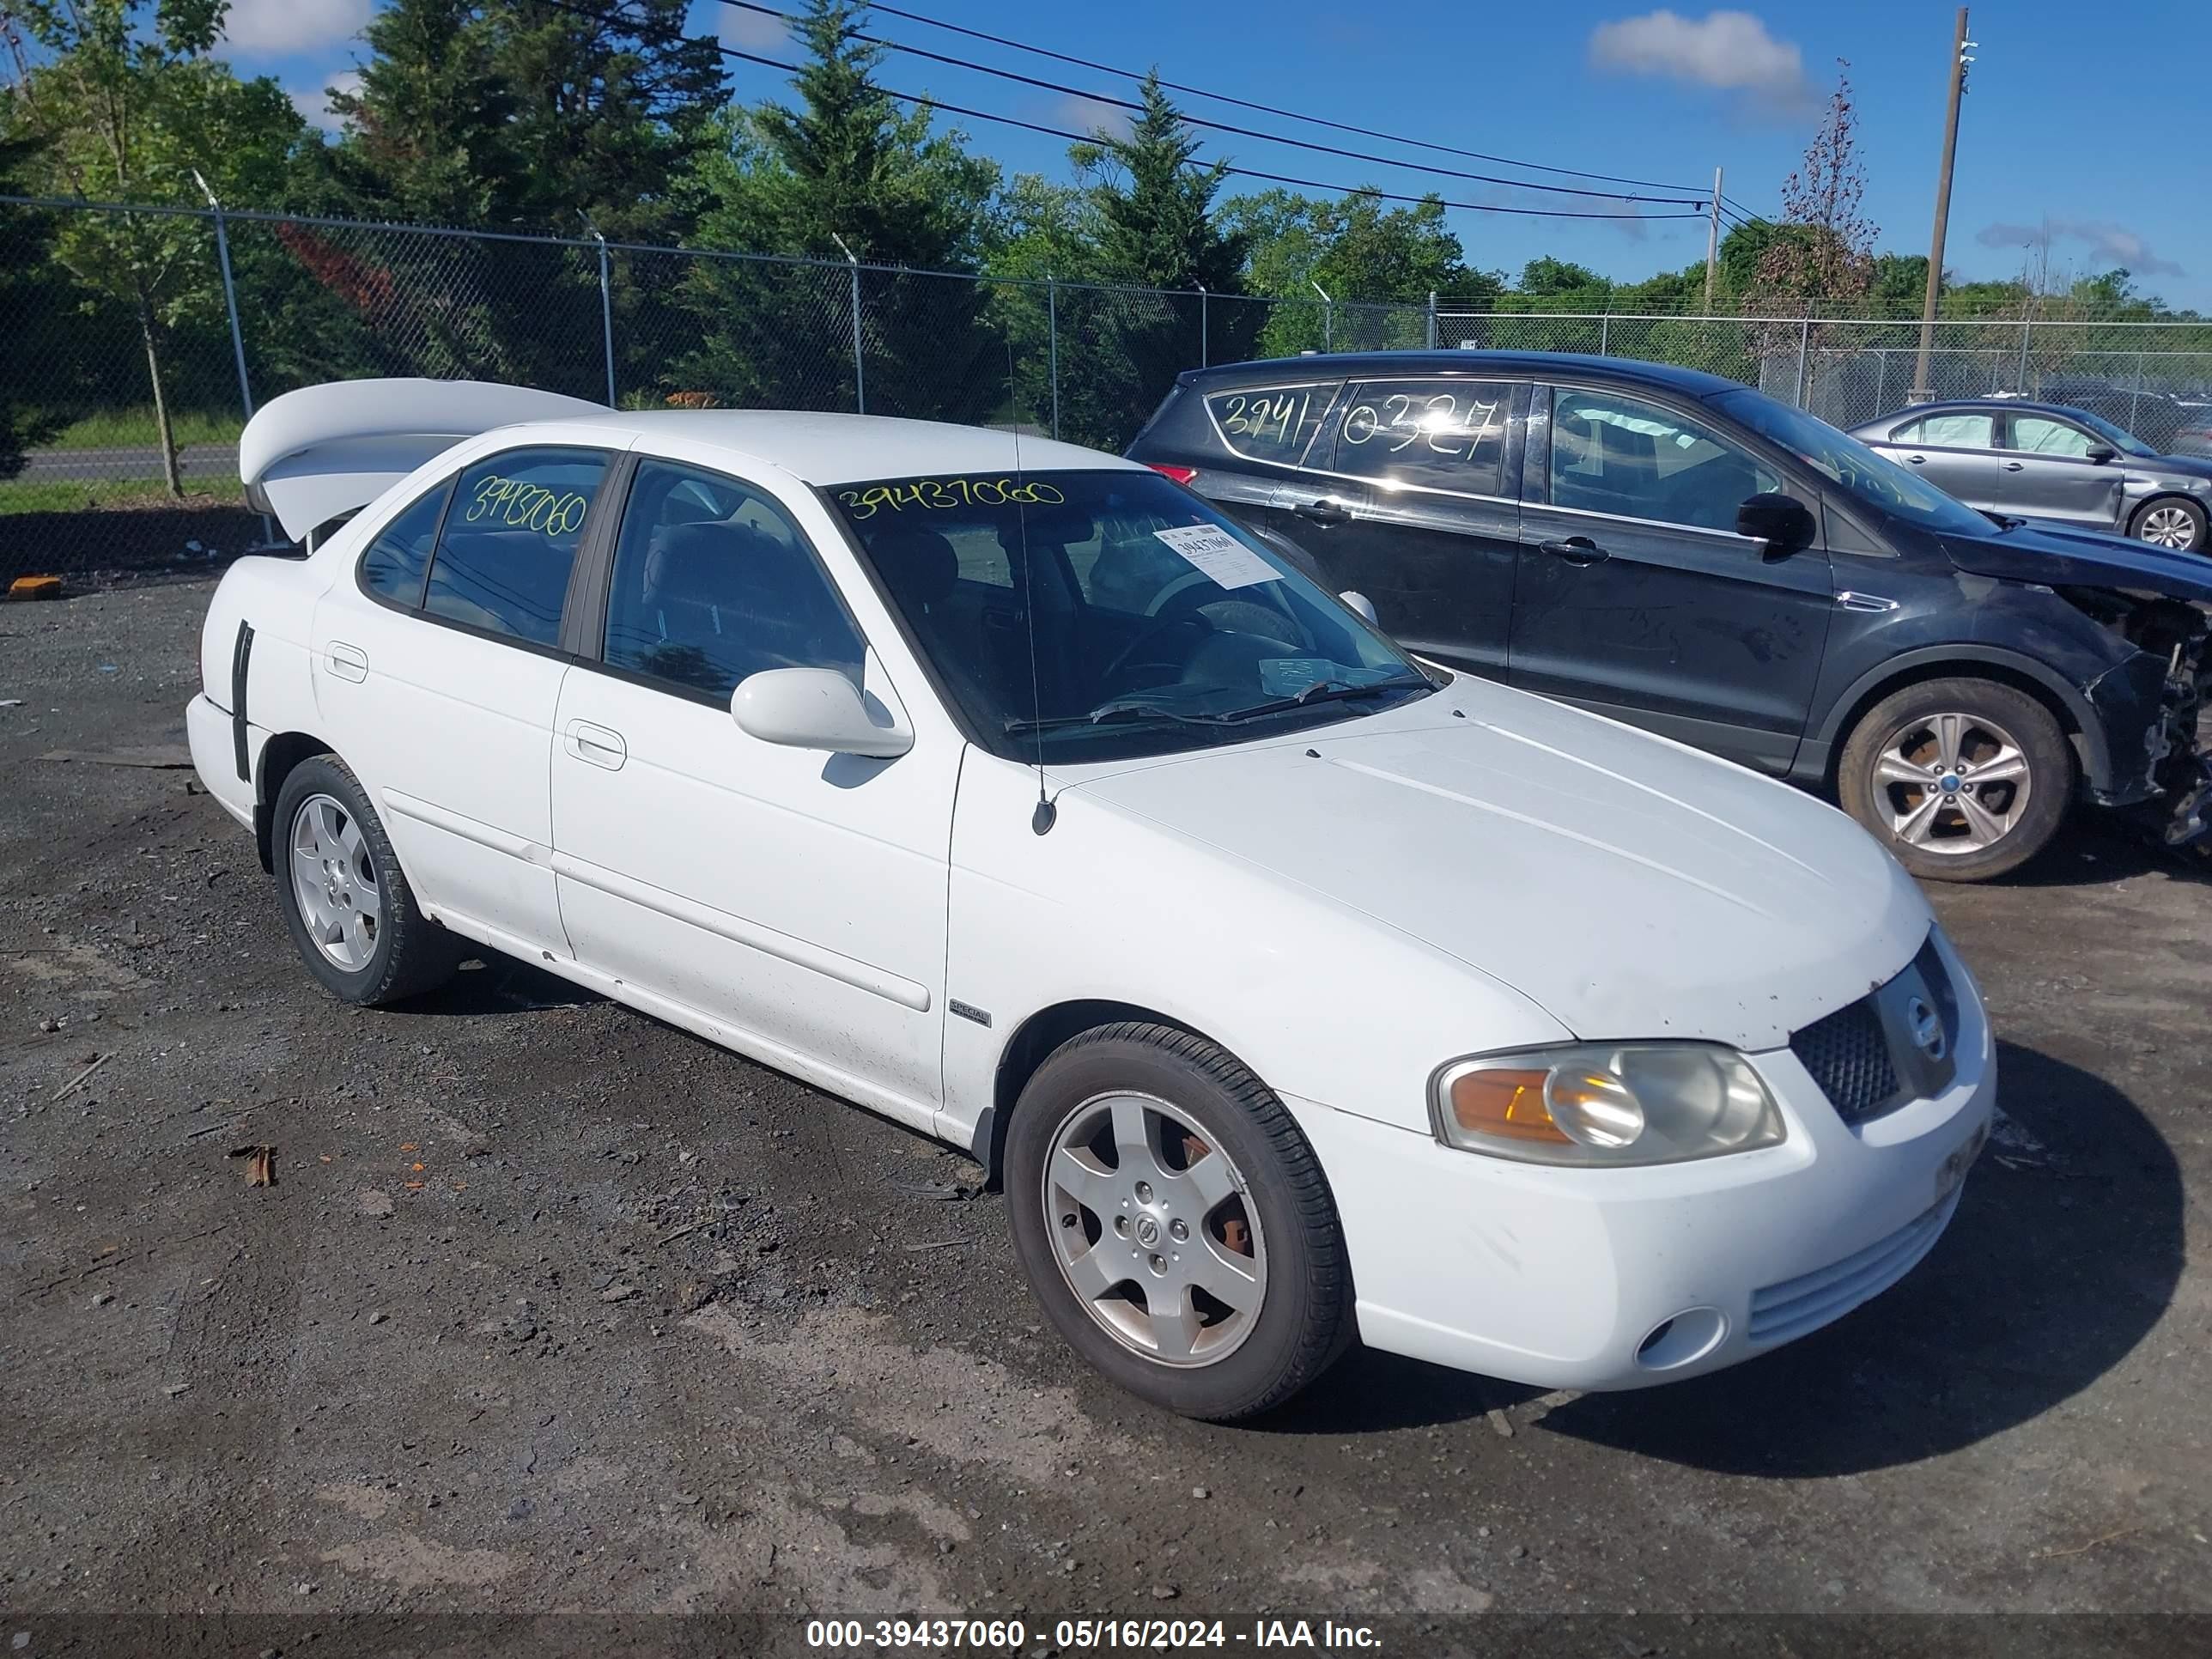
(595, 744)
(1323, 512)
(1575, 550)
(2013, 466)
(1917, 460)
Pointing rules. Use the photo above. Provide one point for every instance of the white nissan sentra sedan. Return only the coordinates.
(1294, 990)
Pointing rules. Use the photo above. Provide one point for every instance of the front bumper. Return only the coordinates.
(1620, 1279)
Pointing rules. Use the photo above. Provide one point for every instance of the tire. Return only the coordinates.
(2006, 752)
(394, 954)
(1291, 1248)
(2173, 521)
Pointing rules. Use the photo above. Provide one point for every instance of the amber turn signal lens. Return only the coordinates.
(1506, 1104)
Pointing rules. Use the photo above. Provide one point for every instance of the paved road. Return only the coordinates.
(136, 461)
(555, 1308)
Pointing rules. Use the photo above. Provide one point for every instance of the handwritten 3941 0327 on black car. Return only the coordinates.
(1686, 554)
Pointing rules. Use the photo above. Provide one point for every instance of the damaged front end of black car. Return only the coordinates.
(2150, 707)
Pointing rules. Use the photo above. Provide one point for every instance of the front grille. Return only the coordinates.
(1847, 1055)
(1795, 1306)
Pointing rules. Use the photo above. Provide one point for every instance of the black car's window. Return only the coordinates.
(2039, 434)
(713, 582)
(393, 568)
(1954, 431)
(510, 536)
(1446, 434)
(1864, 474)
(1270, 424)
(1621, 455)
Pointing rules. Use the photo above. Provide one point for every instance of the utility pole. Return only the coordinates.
(1713, 244)
(1922, 391)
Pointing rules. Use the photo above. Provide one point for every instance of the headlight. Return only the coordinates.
(1605, 1104)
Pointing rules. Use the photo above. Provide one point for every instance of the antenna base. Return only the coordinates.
(1041, 820)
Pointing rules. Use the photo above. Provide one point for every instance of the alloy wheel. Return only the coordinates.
(1150, 1230)
(2170, 525)
(334, 879)
(1952, 783)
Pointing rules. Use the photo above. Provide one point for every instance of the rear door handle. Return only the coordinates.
(346, 662)
(1576, 549)
(1323, 512)
(2013, 466)
(1917, 461)
(596, 744)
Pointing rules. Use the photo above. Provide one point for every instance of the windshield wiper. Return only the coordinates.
(1111, 714)
(1326, 691)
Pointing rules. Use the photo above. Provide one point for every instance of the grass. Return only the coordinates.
(134, 428)
(91, 495)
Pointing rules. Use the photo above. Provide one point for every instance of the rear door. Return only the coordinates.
(1636, 597)
(1955, 451)
(2047, 473)
(1245, 443)
(1410, 497)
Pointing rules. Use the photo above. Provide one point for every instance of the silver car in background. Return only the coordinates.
(2050, 461)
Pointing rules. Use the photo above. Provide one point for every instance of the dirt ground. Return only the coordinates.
(555, 1311)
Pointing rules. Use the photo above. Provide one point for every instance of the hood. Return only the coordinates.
(1628, 885)
(2063, 557)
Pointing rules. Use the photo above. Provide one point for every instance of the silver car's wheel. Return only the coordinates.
(1150, 1230)
(2169, 524)
(1952, 783)
(334, 880)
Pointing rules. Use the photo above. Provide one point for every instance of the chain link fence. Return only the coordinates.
(135, 351)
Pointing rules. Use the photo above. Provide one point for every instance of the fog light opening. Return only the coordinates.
(1689, 1335)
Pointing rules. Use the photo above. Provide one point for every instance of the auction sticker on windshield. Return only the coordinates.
(1219, 556)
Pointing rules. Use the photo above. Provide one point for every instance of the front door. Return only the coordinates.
(438, 663)
(2047, 473)
(1410, 500)
(794, 896)
(1636, 597)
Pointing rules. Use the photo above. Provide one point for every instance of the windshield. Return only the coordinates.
(2119, 437)
(1093, 615)
(1850, 465)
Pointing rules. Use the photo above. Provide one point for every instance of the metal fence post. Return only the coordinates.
(1052, 345)
(2026, 324)
(1204, 358)
(859, 353)
(2135, 397)
(1605, 335)
(606, 309)
(229, 295)
(1804, 347)
(1432, 320)
(1327, 316)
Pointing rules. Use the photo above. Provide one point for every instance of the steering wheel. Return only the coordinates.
(1131, 654)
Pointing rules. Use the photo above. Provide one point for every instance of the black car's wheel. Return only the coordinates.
(2172, 521)
(1174, 1223)
(1961, 779)
(344, 896)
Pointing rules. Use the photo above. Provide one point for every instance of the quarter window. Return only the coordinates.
(713, 582)
(1445, 434)
(1270, 424)
(393, 568)
(510, 537)
(2038, 435)
(1949, 432)
(1624, 456)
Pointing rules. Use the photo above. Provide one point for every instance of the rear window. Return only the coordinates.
(1270, 424)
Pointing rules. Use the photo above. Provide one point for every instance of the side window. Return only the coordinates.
(713, 582)
(1270, 424)
(393, 568)
(510, 536)
(2038, 435)
(1624, 456)
(1949, 432)
(1447, 434)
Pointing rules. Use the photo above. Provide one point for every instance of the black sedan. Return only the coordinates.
(1683, 553)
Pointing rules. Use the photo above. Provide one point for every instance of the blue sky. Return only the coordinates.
(2060, 139)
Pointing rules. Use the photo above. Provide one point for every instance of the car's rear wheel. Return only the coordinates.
(2172, 521)
(1174, 1223)
(344, 896)
(1961, 779)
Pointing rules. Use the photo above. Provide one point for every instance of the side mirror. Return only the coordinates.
(812, 708)
(2100, 454)
(1782, 522)
(1360, 603)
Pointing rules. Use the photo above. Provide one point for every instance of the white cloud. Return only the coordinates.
(1089, 117)
(1724, 51)
(753, 31)
(2108, 244)
(315, 106)
(275, 27)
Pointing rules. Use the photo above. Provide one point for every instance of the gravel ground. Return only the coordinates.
(553, 1310)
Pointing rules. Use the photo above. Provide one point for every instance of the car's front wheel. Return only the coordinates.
(344, 896)
(1174, 1223)
(1961, 779)
(2172, 521)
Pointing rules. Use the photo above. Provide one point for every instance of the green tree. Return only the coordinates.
(1360, 253)
(123, 103)
(28, 304)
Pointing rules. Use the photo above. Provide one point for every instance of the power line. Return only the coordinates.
(1266, 109)
(1242, 132)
